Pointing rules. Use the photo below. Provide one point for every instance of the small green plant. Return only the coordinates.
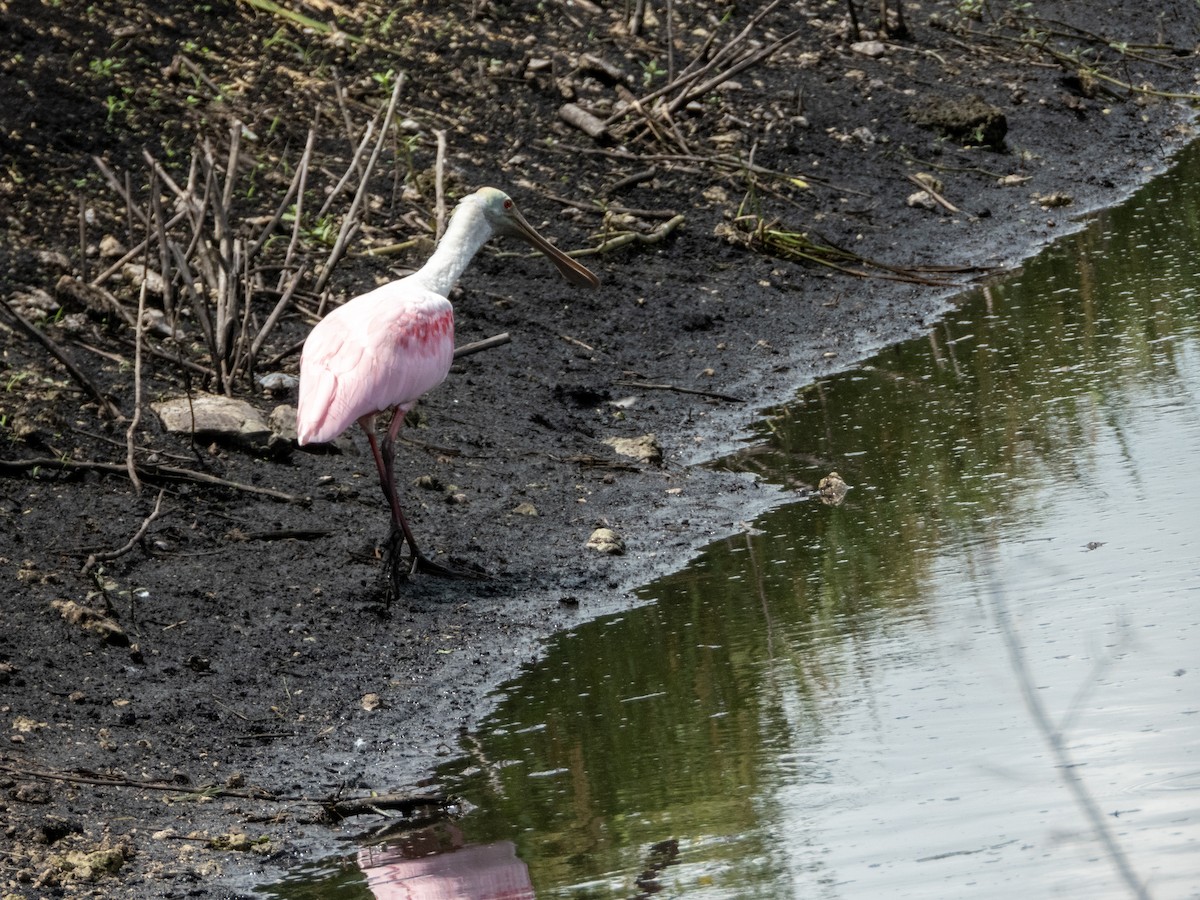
(324, 232)
(385, 80)
(105, 68)
(651, 70)
(116, 105)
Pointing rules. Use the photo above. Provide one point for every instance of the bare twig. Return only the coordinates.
(439, 184)
(354, 167)
(147, 471)
(83, 264)
(350, 222)
(116, 184)
(136, 417)
(745, 63)
(629, 237)
(169, 787)
(135, 250)
(497, 340)
(690, 74)
(648, 386)
(937, 197)
(295, 189)
(54, 350)
(273, 318)
(104, 556)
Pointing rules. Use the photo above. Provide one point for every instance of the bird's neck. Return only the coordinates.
(467, 232)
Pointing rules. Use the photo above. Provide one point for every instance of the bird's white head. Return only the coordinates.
(503, 216)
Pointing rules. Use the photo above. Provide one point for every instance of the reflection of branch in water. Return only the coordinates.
(1067, 769)
(658, 857)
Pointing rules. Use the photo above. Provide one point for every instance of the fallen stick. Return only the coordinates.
(629, 237)
(937, 197)
(146, 470)
(590, 125)
(105, 781)
(496, 340)
(650, 386)
(106, 555)
(723, 76)
(86, 383)
(406, 804)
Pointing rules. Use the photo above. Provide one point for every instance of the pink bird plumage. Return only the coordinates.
(381, 351)
(384, 349)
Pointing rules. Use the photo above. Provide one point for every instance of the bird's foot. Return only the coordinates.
(423, 565)
(399, 567)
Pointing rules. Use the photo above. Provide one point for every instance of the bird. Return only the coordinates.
(382, 350)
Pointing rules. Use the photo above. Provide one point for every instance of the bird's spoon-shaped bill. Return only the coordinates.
(576, 273)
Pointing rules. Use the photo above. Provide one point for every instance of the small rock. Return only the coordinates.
(832, 490)
(111, 247)
(234, 841)
(31, 792)
(26, 724)
(155, 320)
(92, 620)
(1012, 180)
(371, 702)
(605, 540)
(277, 383)
(921, 200)
(53, 259)
(136, 273)
(645, 448)
(1053, 200)
(969, 119)
(870, 49)
(34, 303)
(525, 509)
(282, 421)
(214, 417)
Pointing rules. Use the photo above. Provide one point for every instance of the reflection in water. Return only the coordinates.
(826, 708)
(435, 864)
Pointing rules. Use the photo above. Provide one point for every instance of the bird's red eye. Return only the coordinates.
(508, 204)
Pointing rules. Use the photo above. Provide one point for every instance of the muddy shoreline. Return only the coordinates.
(261, 663)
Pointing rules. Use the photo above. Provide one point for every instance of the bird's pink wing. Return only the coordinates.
(381, 350)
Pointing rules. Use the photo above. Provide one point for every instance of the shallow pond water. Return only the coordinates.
(977, 675)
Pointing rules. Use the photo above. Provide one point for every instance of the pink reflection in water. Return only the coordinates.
(422, 867)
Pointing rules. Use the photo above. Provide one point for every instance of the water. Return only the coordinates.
(838, 704)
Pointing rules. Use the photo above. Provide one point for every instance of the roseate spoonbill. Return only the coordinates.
(384, 349)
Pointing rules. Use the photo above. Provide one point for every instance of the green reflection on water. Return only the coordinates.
(679, 721)
(674, 720)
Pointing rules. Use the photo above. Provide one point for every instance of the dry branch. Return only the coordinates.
(121, 551)
(478, 346)
(147, 471)
(651, 386)
(54, 350)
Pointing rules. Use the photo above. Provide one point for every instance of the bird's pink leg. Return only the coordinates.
(384, 462)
